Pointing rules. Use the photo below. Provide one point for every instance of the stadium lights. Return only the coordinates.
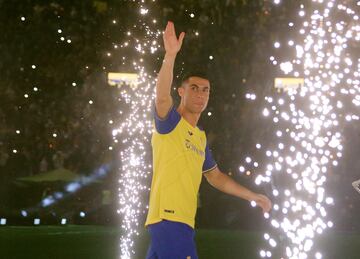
(117, 79)
(288, 83)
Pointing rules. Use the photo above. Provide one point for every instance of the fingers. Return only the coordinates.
(265, 204)
(181, 37)
(170, 31)
(266, 209)
(268, 205)
(170, 28)
(167, 29)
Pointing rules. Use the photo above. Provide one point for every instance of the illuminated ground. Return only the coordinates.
(102, 242)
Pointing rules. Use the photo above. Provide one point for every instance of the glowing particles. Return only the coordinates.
(286, 67)
(307, 119)
(144, 11)
(266, 112)
(250, 96)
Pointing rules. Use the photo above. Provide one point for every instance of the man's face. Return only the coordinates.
(195, 94)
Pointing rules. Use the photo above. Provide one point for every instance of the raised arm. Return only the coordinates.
(227, 185)
(172, 44)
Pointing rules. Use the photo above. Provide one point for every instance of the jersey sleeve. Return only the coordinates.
(209, 163)
(167, 124)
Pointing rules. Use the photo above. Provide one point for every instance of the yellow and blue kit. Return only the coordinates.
(180, 156)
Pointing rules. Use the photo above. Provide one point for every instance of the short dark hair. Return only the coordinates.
(187, 75)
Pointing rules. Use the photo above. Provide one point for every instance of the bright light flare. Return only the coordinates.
(134, 132)
(307, 122)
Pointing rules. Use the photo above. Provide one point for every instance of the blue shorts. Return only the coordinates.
(171, 240)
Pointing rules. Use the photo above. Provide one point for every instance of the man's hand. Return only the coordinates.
(171, 43)
(263, 201)
(227, 185)
(163, 99)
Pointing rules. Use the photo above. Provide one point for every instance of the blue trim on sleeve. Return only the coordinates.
(167, 124)
(209, 163)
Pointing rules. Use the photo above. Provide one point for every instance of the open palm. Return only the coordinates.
(171, 42)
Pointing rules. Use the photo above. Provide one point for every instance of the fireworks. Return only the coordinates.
(308, 123)
(134, 134)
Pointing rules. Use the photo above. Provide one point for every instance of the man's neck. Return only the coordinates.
(191, 118)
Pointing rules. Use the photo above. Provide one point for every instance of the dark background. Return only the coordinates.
(238, 34)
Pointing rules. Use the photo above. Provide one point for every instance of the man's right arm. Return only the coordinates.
(172, 44)
(163, 99)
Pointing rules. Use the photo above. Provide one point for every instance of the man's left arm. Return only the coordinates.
(227, 185)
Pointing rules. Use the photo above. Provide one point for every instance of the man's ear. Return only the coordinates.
(180, 91)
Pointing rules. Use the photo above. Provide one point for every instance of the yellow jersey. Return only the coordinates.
(180, 156)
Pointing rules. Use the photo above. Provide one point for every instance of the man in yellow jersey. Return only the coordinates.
(181, 156)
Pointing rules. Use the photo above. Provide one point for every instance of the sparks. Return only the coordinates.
(307, 124)
(134, 134)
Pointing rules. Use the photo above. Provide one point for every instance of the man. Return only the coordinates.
(180, 157)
